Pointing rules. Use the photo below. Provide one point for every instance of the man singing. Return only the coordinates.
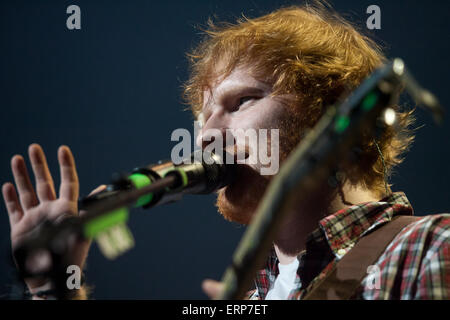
(281, 71)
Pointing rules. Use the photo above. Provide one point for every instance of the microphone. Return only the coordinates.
(201, 173)
(107, 211)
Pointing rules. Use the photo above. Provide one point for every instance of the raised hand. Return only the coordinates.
(29, 206)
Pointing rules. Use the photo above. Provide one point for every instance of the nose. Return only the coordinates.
(214, 128)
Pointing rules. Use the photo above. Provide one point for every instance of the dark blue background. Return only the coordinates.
(111, 91)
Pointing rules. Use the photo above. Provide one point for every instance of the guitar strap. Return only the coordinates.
(347, 274)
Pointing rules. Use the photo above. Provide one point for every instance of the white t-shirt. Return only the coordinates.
(284, 283)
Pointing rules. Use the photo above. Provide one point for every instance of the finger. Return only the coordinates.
(69, 188)
(45, 187)
(24, 187)
(12, 204)
(212, 288)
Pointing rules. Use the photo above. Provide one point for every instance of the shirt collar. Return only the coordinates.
(343, 228)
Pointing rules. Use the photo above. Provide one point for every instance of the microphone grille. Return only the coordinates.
(218, 174)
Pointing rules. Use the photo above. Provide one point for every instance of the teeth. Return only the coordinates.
(115, 241)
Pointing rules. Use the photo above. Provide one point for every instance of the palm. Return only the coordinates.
(32, 217)
(29, 206)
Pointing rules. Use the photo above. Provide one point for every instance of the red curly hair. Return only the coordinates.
(314, 54)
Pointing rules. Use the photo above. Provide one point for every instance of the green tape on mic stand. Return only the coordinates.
(181, 174)
(140, 180)
(104, 222)
(111, 233)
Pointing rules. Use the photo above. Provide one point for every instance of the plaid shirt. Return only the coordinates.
(415, 265)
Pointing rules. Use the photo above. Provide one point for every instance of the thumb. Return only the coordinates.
(212, 288)
(95, 191)
(98, 189)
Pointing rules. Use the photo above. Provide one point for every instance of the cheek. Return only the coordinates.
(266, 114)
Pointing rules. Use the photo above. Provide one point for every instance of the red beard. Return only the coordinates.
(238, 201)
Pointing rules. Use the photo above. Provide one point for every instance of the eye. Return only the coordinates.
(246, 99)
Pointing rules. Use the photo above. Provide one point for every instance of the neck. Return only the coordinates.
(304, 219)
